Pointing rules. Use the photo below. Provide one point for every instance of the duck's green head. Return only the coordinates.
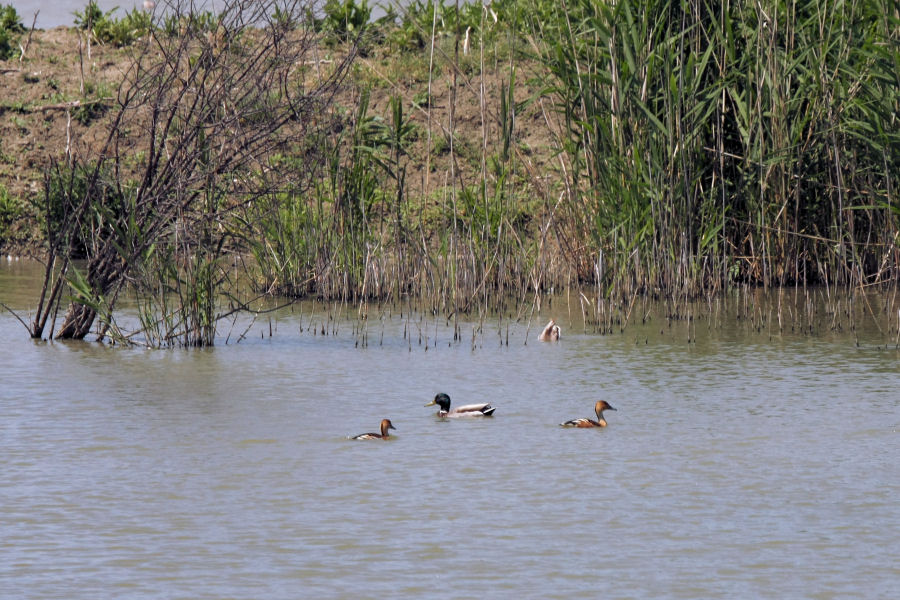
(442, 400)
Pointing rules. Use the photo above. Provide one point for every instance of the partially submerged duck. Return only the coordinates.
(385, 425)
(550, 333)
(600, 422)
(467, 410)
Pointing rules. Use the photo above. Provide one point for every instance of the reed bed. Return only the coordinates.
(731, 142)
(702, 146)
(696, 149)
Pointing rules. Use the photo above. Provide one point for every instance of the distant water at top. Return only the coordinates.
(62, 12)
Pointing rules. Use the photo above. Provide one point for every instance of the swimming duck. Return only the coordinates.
(385, 425)
(468, 410)
(600, 422)
(550, 333)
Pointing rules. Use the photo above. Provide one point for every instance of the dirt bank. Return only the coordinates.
(59, 97)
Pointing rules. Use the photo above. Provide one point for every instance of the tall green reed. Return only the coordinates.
(711, 144)
(704, 146)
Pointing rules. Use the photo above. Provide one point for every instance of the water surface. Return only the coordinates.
(737, 465)
(62, 12)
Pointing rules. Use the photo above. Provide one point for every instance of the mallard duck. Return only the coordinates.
(385, 425)
(600, 422)
(550, 333)
(468, 410)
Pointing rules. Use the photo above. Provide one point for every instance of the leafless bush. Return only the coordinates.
(207, 101)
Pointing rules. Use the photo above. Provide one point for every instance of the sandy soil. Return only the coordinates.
(35, 94)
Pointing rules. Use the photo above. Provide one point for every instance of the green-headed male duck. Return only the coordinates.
(550, 333)
(600, 422)
(385, 425)
(468, 410)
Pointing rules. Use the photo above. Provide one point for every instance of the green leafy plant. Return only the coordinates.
(346, 19)
(10, 26)
(10, 20)
(108, 30)
(414, 29)
(420, 20)
(11, 210)
(90, 16)
(7, 47)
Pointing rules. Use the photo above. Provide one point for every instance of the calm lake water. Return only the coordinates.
(738, 465)
(62, 12)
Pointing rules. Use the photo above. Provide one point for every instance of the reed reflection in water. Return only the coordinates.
(735, 466)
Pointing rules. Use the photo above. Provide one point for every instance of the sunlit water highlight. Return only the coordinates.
(735, 466)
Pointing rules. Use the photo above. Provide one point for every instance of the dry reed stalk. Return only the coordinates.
(427, 171)
(80, 66)
(24, 48)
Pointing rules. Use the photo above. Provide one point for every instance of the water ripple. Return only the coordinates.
(729, 470)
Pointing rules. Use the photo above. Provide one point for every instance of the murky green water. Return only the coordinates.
(744, 463)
